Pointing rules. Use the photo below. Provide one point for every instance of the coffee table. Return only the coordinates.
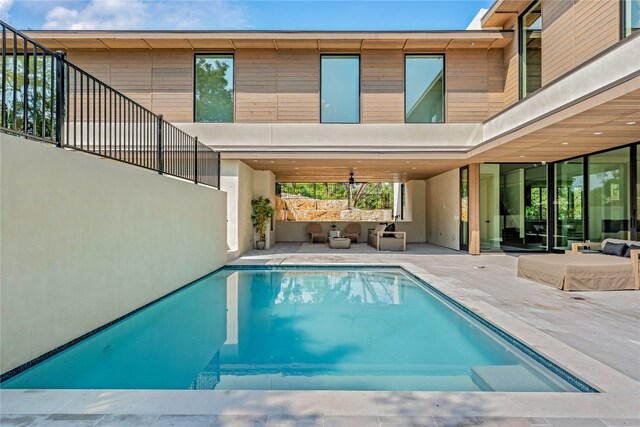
(339, 242)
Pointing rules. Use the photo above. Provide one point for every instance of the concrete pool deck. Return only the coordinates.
(597, 338)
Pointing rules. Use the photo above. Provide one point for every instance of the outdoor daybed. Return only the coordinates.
(577, 271)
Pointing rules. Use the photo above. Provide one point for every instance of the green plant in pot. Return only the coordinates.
(262, 213)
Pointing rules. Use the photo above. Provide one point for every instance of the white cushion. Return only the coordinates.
(379, 228)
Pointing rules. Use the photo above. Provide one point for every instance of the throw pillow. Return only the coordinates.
(628, 253)
(379, 228)
(617, 249)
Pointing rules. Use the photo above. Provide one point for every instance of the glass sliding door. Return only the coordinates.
(569, 190)
(464, 208)
(609, 195)
(513, 207)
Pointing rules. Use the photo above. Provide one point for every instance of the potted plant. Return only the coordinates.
(262, 213)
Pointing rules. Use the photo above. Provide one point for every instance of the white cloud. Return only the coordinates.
(5, 6)
(147, 15)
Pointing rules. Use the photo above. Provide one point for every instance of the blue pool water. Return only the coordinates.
(320, 329)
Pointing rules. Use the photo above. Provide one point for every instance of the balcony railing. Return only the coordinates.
(47, 98)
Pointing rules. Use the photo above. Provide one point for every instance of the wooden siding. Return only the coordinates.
(172, 84)
(298, 86)
(574, 31)
(382, 86)
(255, 86)
(474, 84)
(283, 86)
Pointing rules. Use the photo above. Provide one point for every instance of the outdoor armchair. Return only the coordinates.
(314, 230)
(352, 231)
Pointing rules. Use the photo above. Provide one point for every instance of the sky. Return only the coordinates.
(240, 15)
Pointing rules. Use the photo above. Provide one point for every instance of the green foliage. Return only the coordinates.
(214, 94)
(35, 96)
(366, 196)
(262, 213)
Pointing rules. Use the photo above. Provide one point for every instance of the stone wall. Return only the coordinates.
(306, 209)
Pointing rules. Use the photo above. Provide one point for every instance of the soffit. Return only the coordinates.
(612, 123)
(502, 11)
(323, 41)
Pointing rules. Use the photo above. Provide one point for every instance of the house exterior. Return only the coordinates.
(520, 135)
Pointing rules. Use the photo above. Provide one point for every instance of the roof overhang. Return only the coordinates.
(232, 40)
(502, 11)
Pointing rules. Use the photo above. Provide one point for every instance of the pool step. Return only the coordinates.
(507, 378)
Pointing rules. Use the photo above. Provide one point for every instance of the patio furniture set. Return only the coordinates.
(384, 237)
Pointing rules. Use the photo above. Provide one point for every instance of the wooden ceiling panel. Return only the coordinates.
(427, 45)
(124, 43)
(340, 45)
(368, 170)
(168, 43)
(383, 44)
(296, 44)
(211, 44)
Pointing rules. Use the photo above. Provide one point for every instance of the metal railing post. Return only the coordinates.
(60, 101)
(160, 138)
(195, 160)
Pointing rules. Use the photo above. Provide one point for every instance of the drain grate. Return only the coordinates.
(578, 298)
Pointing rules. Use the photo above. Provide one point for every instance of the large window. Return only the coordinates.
(213, 88)
(608, 197)
(424, 88)
(513, 207)
(340, 89)
(569, 188)
(631, 16)
(464, 208)
(531, 50)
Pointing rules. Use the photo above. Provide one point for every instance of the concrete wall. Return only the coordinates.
(334, 137)
(443, 213)
(236, 179)
(296, 231)
(85, 240)
(242, 184)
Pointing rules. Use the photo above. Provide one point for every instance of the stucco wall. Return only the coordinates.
(242, 183)
(443, 214)
(85, 240)
(236, 179)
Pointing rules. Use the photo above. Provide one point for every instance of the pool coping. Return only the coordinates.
(617, 397)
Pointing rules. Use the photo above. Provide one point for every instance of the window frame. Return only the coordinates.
(359, 88)
(521, 76)
(233, 59)
(444, 87)
(623, 20)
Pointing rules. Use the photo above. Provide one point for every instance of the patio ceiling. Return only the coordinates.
(382, 169)
(586, 127)
(232, 40)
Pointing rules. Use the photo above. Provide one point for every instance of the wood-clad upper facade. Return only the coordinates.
(276, 76)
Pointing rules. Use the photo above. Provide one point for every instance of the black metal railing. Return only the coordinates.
(46, 97)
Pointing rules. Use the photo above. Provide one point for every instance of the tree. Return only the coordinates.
(214, 96)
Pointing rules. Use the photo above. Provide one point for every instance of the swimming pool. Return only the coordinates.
(306, 328)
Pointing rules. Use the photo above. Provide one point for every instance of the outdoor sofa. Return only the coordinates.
(578, 271)
(384, 239)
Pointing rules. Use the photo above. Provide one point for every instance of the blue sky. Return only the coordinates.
(241, 15)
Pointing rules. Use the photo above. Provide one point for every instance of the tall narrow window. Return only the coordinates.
(340, 89)
(531, 50)
(213, 88)
(631, 16)
(424, 88)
